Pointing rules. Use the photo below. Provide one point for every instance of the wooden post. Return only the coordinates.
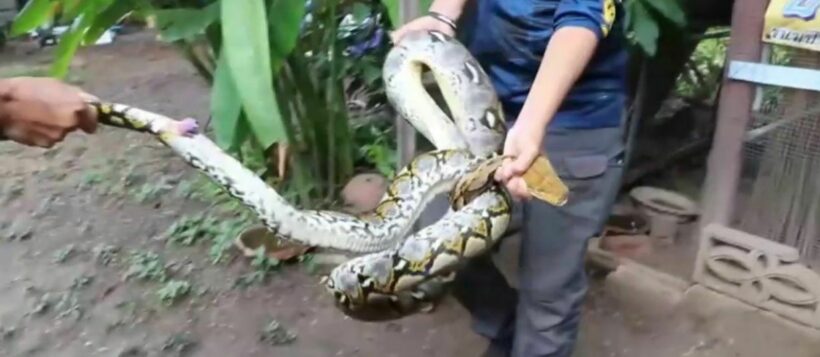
(734, 111)
(406, 134)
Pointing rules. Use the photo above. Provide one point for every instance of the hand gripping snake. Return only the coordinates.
(394, 276)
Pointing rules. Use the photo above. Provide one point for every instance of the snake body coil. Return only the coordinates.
(395, 276)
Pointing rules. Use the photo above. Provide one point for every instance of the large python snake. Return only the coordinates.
(394, 276)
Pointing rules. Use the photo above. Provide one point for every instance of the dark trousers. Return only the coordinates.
(542, 317)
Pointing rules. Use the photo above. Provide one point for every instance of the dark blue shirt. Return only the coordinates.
(508, 37)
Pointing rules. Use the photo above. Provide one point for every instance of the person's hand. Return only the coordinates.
(523, 144)
(42, 111)
(424, 23)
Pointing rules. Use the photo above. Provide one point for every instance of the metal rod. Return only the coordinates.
(405, 133)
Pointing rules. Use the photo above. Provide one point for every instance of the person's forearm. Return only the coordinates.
(565, 58)
(449, 8)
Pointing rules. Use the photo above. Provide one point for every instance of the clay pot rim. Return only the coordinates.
(248, 242)
(645, 196)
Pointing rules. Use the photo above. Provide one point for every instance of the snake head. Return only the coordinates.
(542, 181)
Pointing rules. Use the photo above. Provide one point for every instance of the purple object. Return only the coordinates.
(188, 127)
(363, 47)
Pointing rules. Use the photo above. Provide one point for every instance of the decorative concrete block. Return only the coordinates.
(759, 272)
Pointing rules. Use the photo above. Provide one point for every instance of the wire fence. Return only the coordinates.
(780, 189)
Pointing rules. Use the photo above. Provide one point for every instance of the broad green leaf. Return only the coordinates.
(285, 19)
(69, 42)
(225, 106)
(182, 23)
(629, 10)
(360, 11)
(108, 18)
(646, 30)
(669, 9)
(247, 49)
(34, 14)
(393, 11)
(75, 8)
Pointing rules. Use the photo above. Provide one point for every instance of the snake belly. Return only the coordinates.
(394, 276)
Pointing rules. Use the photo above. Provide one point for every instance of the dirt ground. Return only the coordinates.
(66, 244)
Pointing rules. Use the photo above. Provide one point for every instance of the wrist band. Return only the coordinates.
(448, 21)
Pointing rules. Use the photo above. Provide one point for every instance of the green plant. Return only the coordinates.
(219, 228)
(646, 20)
(62, 255)
(701, 75)
(146, 266)
(190, 229)
(379, 151)
(279, 78)
(173, 290)
(262, 265)
(275, 334)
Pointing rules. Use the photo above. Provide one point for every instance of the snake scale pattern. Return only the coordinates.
(394, 274)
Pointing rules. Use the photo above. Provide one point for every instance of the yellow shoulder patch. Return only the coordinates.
(609, 16)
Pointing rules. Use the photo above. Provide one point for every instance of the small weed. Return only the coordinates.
(130, 309)
(150, 191)
(173, 290)
(146, 266)
(62, 255)
(310, 265)
(64, 306)
(222, 242)
(202, 188)
(91, 178)
(104, 254)
(43, 306)
(185, 189)
(275, 334)
(81, 282)
(68, 305)
(179, 343)
(189, 230)
(263, 266)
(221, 232)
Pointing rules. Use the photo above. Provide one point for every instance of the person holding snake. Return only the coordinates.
(559, 69)
(558, 66)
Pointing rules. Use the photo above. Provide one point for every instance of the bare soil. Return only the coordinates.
(70, 220)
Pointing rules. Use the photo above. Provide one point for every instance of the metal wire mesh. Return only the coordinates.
(780, 189)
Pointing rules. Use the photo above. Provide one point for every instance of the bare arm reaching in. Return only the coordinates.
(42, 111)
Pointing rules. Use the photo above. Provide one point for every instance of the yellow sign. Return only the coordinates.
(793, 23)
